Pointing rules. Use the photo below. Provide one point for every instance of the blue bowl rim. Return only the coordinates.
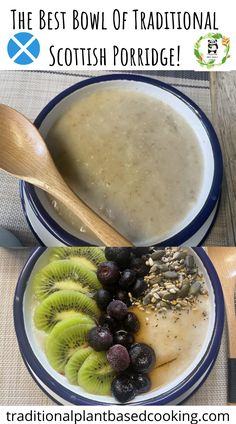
(59, 403)
(68, 239)
(71, 397)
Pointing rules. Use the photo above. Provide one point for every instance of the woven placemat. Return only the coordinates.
(17, 386)
(29, 91)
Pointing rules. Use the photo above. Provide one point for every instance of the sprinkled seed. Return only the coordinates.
(157, 255)
(195, 288)
(169, 286)
(183, 292)
(147, 299)
(189, 261)
(154, 268)
(162, 267)
(163, 310)
(172, 275)
(173, 278)
(183, 302)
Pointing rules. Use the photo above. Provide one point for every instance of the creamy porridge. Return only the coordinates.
(176, 338)
(130, 157)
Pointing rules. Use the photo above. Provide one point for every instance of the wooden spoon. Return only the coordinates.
(224, 260)
(24, 155)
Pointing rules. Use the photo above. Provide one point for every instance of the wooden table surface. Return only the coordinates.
(223, 99)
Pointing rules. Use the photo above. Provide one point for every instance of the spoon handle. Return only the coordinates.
(108, 235)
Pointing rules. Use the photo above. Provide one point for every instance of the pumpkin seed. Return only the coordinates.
(180, 255)
(171, 275)
(192, 271)
(162, 267)
(170, 296)
(195, 288)
(147, 299)
(154, 268)
(157, 255)
(183, 292)
(156, 279)
(189, 261)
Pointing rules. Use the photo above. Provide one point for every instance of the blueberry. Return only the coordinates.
(138, 265)
(109, 322)
(118, 357)
(127, 279)
(120, 255)
(142, 382)
(139, 288)
(123, 389)
(123, 296)
(108, 273)
(142, 357)
(123, 338)
(100, 338)
(117, 309)
(103, 298)
(131, 323)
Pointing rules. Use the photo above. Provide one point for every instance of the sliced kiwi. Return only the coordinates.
(88, 256)
(75, 362)
(95, 375)
(62, 305)
(64, 340)
(64, 275)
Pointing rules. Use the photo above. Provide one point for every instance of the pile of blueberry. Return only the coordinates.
(122, 274)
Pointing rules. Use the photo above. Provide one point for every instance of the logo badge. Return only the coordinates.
(212, 50)
(23, 48)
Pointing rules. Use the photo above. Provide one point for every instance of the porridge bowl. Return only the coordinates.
(139, 153)
(185, 341)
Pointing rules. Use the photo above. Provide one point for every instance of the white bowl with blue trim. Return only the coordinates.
(56, 385)
(50, 228)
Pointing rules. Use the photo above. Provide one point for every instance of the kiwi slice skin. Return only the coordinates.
(64, 340)
(62, 305)
(74, 364)
(64, 275)
(88, 256)
(95, 375)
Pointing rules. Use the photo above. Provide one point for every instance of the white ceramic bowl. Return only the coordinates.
(56, 385)
(52, 230)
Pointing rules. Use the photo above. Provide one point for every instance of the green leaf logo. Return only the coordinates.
(206, 50)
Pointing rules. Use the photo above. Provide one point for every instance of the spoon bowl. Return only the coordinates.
(24, 155)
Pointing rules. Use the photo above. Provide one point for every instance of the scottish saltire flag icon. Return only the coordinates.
(23, 48)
